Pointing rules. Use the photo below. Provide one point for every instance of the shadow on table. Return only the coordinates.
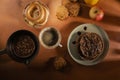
(113, 35)
(4, 59)
(111, 19)
(108, 18)
(108, 70)
(118, 0)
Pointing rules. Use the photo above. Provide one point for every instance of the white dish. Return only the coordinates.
(73, 51)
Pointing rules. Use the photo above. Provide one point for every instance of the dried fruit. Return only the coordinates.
(59, 63)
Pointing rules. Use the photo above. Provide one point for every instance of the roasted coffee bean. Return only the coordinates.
(79, 33)
(74, 42)
(24, 46)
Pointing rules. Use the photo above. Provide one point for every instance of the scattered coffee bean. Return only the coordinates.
(85, 28)
(74, 42)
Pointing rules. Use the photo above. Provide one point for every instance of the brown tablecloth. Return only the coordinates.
(11, 20)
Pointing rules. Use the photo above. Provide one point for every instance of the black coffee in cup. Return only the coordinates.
(50, 37)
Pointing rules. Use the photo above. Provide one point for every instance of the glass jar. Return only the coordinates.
(36, 14)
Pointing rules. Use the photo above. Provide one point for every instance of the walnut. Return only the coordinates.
(59, 63)
(73, 8)
(62, 12)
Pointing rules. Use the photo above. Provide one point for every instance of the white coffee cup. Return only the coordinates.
(50, 38)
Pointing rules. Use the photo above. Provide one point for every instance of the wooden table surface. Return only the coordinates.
(11, 20)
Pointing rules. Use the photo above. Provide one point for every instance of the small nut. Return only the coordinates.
(59, 63)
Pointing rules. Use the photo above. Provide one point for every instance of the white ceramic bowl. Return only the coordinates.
(73, 50)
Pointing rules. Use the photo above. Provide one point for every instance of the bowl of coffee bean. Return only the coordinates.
(22, 46)
(88, 44)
